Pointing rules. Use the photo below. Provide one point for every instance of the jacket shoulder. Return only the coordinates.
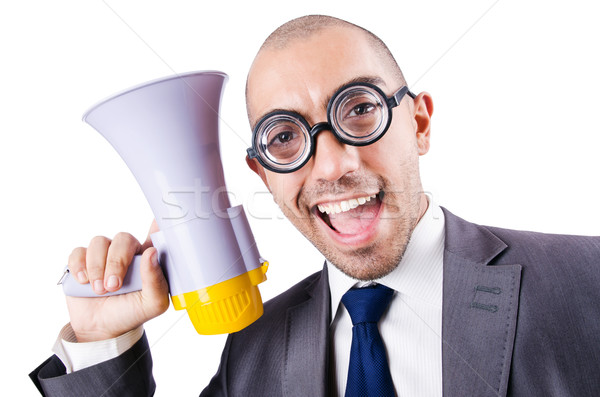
(574, 253)
(526, 248)
(557, 340)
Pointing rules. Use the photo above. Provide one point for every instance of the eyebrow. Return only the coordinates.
(276, 110)
(378, 81)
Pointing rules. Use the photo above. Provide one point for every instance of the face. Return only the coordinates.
(373, 193)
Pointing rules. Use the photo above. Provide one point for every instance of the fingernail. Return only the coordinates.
(98, 286)
(155, 259)
(113, 282)
(81, 277)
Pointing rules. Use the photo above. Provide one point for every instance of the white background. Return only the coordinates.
(514, 141)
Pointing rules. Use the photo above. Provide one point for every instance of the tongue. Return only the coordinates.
(356, 220)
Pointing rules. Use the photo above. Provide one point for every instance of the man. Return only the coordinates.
(476, 311)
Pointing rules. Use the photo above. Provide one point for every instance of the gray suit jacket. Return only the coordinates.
(521, 317)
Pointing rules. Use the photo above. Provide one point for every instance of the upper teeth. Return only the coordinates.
(343, 206)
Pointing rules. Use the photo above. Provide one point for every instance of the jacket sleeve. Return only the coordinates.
(129, 374)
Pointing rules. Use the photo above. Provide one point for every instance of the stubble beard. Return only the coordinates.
(383, 255)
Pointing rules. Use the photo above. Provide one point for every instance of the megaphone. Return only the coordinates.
(167, 132)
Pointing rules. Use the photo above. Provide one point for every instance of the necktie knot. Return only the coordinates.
(367, 305)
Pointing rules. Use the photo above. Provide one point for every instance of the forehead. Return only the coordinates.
(303, 75)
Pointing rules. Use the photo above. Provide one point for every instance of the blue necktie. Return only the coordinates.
(368, 372)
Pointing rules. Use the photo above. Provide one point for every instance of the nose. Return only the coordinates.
(333, 159)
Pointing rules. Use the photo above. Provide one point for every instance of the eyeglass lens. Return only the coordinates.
(284, 139)
(358, 114)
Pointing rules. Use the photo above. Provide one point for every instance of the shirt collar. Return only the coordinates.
(420, 271)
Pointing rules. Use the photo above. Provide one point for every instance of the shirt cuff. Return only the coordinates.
(76, 356)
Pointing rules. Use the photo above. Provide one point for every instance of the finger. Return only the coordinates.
(77, 265)
(155, 291)
(95, 260)
(120, 253)
(153, 229)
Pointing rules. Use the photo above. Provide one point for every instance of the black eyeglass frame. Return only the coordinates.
(390, 102)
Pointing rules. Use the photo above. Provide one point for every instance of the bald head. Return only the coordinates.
(304, 27)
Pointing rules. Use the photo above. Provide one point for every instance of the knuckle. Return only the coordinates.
(164, 304)
(99, 240)
(123, 236)
(95, 267)
(77, 258)
(115, 263)
(95, 273)
(159, 306)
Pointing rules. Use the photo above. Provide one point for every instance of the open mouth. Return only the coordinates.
(353, 216)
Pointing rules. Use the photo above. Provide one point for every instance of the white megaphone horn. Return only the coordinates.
(167, 132)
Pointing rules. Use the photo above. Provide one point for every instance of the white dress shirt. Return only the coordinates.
(411, 328)
(76, 356)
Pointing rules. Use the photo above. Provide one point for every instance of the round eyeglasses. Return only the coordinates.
(358, 114)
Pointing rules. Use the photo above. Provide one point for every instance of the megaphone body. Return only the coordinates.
(167, 133)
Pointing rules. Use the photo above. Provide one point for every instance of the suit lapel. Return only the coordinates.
(306, 361)
(480, 306)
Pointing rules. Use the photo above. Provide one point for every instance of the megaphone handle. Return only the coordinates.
(131, 282)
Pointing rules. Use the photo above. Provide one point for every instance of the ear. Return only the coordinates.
(423, 108)
(258, 169)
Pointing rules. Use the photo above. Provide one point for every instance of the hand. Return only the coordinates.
(104, 264)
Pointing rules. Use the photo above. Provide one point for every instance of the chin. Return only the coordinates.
(368, 263)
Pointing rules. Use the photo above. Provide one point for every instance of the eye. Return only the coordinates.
(361, 109)
(282, 138)
(285, 146)
(360, 115)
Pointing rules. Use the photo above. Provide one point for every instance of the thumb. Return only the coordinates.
(155, 290)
